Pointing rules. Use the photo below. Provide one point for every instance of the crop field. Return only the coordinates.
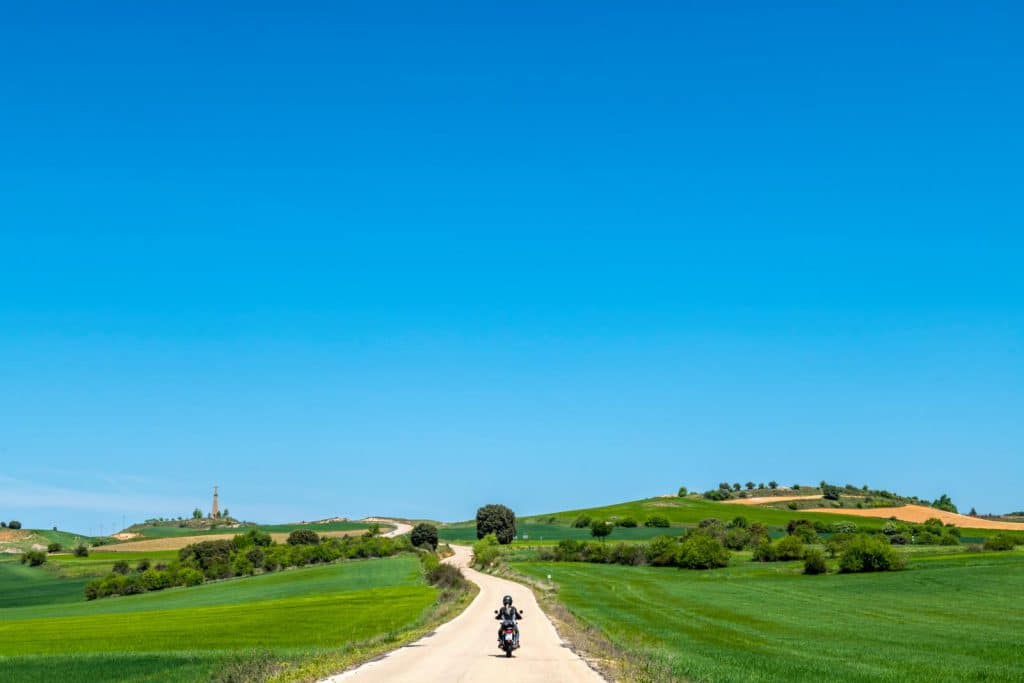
(172, 531)
(947, 617)
(49, 632)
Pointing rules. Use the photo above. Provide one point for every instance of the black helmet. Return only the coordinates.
(507, 600)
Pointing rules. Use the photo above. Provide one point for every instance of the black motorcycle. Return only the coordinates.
(509, 641)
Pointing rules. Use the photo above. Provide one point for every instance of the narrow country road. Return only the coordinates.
(466, 649)
(400, 527)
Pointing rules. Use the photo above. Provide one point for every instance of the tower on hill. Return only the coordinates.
(215, 510)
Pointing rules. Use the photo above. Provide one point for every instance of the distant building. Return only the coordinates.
(215, 510)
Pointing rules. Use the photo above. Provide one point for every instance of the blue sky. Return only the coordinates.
(410, 258)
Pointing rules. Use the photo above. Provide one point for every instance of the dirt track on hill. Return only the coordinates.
(466, 648)
(921, 513)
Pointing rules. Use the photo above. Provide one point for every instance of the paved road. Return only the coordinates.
(400, 527)
(466, 648)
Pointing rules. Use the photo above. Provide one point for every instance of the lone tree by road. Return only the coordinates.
(424, 534)
(498, 520)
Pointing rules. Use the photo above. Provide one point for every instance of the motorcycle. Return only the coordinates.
(508, 635)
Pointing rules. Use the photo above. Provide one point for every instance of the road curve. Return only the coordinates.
(466, 648)
(400, 527)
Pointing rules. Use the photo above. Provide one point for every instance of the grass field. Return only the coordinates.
(947, 617)
(48, 631)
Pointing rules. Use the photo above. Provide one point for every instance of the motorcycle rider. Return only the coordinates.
(510, 613)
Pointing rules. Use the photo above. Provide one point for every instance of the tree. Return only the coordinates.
(54, 548)
(14, 524)
(973, 512)
(773, 484)
(600, 528)
(761, 485)
(424, 534)
(303, 537)
(81, 550)
(3, 525)
(197, 514)
(830, 492)
(498, 520)
(750, 486)
(736, 486)
(944, 503)
(682, 491)
(227, 513)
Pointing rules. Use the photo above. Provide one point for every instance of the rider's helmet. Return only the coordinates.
(507, 600)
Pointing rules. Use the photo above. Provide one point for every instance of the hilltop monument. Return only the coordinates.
(215, 510)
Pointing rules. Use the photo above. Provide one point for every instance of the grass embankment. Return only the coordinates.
(947, 617)
(48, 631)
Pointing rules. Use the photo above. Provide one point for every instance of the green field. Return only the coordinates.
(48, 631)
(947, 617)
(535, 533)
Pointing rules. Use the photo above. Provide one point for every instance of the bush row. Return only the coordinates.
(696, 550)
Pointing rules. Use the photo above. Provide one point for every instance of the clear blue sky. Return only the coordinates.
(409, 258)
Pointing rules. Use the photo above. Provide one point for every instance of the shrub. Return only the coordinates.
(142, 565)
(34, 558)
(869, 554)
(485, 551)
(789, 548)
(628, 553)
(700, 551)
(303, 537)
(898, 539)
(81, 550)
(121, 567)
(54, 548)
(256, 556)
(594, 552)
(738, 522)
(446, 577)
(154, 580)
(736, 539)
(600, 528)
(764, 551)
(814, 562)
(1000, 542)
(663, 551)
(843, 528)
(718, 494)
(682, 491)
(190, 577)
(830, 492)
(498, 520)
(210, 557)
(14, 524)
(582, 522)
(628, 523)
(657, 521)
(253, 537)
(792, 505)
(241, 566)
(424, 535)
(568, 550)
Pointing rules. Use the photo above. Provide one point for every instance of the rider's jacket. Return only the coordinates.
(508, 612)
